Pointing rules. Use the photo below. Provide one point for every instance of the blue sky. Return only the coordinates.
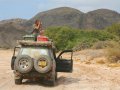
(28, 8)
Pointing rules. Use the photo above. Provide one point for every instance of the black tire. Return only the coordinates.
(43, 69)
(52, 82)
(12, 62)
(27, 64)
(56, 75)
(18, 81)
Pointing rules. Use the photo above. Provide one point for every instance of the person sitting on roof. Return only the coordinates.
(37, 28)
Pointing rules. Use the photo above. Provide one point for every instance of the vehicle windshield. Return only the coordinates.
(34, 52)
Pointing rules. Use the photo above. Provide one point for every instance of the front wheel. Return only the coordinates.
(18, 81)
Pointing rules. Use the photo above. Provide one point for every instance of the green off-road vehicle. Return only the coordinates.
(37, 60)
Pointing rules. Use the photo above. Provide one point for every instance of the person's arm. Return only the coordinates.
(40, 27)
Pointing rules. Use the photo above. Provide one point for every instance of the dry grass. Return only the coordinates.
(100, 45)
(113, 52)
(114, 65)
(87, 62)
(100, 62)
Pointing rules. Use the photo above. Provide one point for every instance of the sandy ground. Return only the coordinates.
(84, 76)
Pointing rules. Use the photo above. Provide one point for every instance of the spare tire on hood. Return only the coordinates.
(24, 64)
(43, 64)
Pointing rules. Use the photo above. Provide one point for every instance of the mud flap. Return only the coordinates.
(17, 75)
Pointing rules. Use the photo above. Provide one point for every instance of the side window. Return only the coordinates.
(66, 55)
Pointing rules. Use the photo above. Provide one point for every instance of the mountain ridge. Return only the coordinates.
(67, 16)
(64, 16)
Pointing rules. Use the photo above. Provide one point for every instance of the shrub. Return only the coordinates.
(63, 37)
(102, 44)
(113, 52)
(84, 44)
(114, 29)
(69, 38)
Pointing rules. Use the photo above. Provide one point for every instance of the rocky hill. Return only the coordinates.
(59, 17)
(63, 16)
(9, 33)
(100, 19)
(15, 21)
(13, 29)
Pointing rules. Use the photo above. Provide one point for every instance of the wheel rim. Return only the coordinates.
(24, 63)
(42, 63)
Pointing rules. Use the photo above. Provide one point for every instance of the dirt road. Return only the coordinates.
(84, 77)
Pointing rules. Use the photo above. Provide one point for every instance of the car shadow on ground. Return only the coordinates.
(60, 81)
(67, 80)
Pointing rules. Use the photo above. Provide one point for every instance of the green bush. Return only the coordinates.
(69, 38)
(84, 43)
(114, 29)
(63, 37)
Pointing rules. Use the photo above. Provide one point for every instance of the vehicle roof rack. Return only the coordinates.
(34, 43)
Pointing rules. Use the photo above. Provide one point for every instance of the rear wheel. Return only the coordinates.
(18, 81)
(52, 82)
(55, 75)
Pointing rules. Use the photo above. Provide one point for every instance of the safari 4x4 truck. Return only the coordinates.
(37, 60)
